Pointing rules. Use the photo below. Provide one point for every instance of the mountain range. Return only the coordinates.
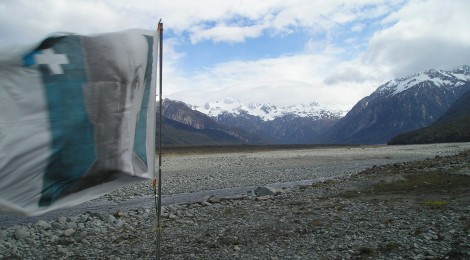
(256, 123)
(398, 106)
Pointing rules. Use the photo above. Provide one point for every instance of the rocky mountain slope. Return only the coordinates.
(401, 105)
(183, 125)
(453, 126)
(176, 133)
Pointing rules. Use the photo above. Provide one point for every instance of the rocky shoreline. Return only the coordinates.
(411, 210)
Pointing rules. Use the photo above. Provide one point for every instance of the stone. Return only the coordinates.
(61, 250)
(261, 198)
(21, 233)
(73, 219)
(110, 219)
(83, 218)
(41, 224)
(206, 203)
(69, 232)
(57, 225)
(266, 191)
(62, 220)
(119, 214)
(213, 199)
(119, 223)
(54, 238)
(71, 225)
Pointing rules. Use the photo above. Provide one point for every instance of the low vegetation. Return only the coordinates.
(450, 132)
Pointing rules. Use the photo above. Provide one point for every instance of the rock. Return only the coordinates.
(57, 225)
(267, 191)
(261, 198)
(41, 224)
(71, 225)
(110, 219)
(14, 250)
(119, 214)
(83, 218)
(206, 203)
(21, 233)
(62, 220)
(53, 238)
(73, 219)
(119, 223)
(69, 232)
(61, 250)
(213, 199)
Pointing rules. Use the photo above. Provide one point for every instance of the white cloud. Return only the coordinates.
(284, 80)
(358, 27)
(416, 35)
(319, 74)
(422, 35)
(224, 32)
(26, 21)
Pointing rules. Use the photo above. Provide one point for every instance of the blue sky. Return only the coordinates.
(333, 52)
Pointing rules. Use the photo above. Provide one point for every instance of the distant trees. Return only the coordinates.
(456, 130)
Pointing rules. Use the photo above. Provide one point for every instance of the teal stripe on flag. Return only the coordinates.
(140, 139)
(73, 149)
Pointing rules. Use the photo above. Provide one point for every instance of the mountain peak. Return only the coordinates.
(267, 111)
(439, 78)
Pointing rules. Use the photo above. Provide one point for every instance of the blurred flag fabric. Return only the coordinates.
(77, 119)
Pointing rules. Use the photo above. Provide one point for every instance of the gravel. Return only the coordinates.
(339, 214)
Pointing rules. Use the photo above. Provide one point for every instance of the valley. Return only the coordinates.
(398, 106)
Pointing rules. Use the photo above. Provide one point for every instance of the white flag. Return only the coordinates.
(77, 119)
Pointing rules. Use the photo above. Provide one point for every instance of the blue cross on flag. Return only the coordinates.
(77, 119)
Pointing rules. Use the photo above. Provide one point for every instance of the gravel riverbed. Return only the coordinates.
(400, 202)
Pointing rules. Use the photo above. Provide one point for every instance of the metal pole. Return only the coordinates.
(158, 196)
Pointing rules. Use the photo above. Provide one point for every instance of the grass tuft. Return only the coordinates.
(364, 250)
(436, 203)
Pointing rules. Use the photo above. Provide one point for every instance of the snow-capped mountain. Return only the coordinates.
(188, 126)
(266, 112)
(438, 78)
(401, 105)
(255, 123)
(398, 106)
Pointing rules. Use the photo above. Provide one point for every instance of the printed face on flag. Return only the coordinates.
(81, 119)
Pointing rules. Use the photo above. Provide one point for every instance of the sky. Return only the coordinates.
(282, 52)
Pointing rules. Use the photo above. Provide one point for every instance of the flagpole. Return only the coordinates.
(158, 192)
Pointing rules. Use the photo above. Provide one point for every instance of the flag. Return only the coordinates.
(77, 119)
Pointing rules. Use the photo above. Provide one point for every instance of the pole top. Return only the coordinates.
(160, 25)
